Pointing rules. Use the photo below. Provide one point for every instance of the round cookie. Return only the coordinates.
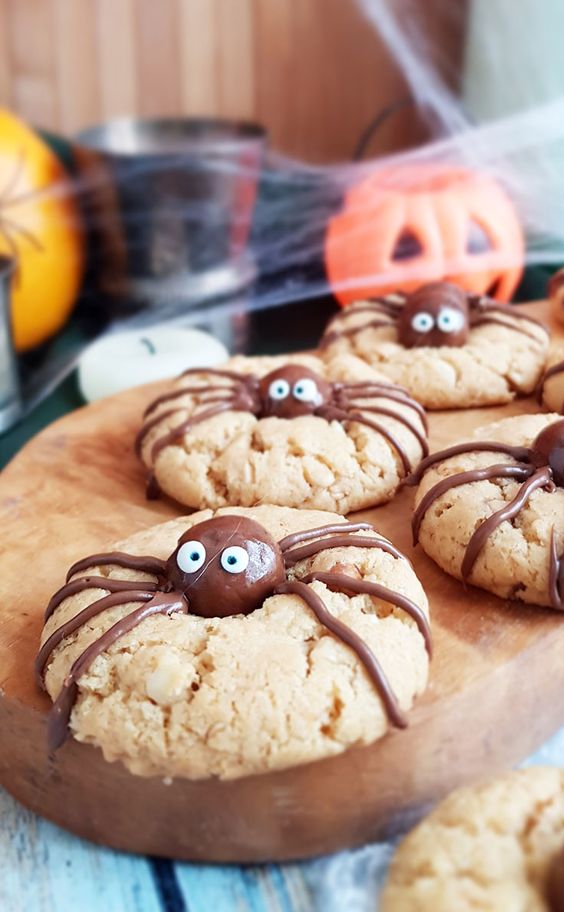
(285, 430)
(492, 847)
(556, 295)
(448, 348)
(550, 391)
(219, 652)
(490, 511)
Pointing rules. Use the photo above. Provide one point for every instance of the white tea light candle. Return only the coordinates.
(122, 360)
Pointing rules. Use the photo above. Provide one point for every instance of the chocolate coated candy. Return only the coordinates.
(434, 315)
(548, 449)
(226, 566)
(292, 391)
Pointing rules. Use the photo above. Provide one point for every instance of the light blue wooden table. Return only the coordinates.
(45, 869)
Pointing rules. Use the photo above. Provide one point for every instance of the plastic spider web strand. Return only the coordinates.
(524, 151)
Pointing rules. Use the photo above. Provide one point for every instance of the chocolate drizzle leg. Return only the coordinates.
(307, 534)
(356, 643)
(59, 717)
(520, 472)
(384, 312)
(367, 587)
(539, 480)
(483, 311)
(540, 466)
(224, 566)
(119, 559)
(294, 555)
(552, 371)
(289, 392)
(520, 453)
(335, 414)
(75, 623)
(91, 582)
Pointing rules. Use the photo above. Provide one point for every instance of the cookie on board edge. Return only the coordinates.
(240, 642)
(497, 846)
(490, 510)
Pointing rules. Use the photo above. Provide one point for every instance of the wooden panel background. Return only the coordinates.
(312, 71)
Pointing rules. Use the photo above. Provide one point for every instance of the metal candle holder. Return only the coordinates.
(10, 393)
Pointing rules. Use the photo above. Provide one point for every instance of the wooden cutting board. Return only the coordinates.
(495, 690)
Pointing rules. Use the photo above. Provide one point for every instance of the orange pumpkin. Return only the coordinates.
(40, 228)
(419, 223)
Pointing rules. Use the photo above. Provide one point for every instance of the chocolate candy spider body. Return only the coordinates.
(540, 466)
(434, 315)
(288, 393)
(221, 567)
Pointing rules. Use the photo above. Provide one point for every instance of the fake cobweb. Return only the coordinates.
(506, 119)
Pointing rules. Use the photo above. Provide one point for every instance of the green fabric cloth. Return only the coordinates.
(63, 400)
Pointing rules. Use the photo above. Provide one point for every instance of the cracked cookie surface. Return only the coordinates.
(486, 848)
(236, 458)
(516, 558)
(497, 363)
(195, 697)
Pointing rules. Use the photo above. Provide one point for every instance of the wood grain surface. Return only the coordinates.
(494, 693)
(314, 72)
(45, 869)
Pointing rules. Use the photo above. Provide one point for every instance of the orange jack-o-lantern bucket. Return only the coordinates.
(404, 226)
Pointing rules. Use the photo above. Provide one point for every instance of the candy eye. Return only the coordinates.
(450, 320)
(306, 390)
(279, 389)
(422, 322)
(234, 559)
(191, 556)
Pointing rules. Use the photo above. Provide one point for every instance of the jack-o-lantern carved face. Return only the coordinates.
(422, 223)
(435, 315)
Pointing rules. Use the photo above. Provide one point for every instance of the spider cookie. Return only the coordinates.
(550, 390)
(490, 511)
(497, 846)
(282, 430)
(448, 348)
(236, 642)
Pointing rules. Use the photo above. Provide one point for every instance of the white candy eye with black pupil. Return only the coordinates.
(450, 320)
(191, 556)
(422, 322)
(234, 559)
(279, 389)
(306, 390)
